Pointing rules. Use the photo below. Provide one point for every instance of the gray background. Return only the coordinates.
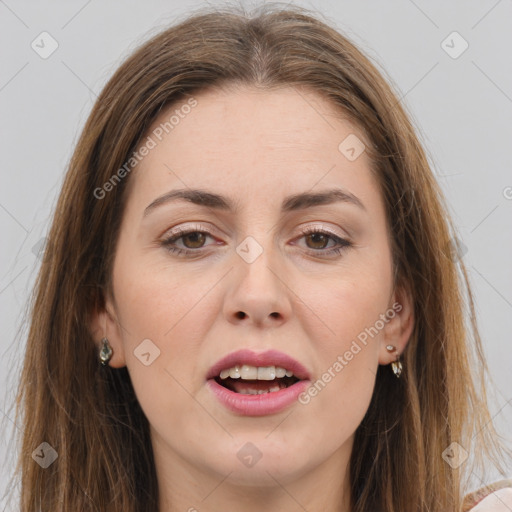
(462, 107)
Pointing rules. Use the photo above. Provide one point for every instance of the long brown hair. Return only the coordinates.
(90, 414)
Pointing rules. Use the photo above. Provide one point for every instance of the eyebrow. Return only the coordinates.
(291, 203)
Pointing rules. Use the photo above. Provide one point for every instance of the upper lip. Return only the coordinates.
(267, 358)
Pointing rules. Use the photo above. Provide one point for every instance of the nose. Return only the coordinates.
(258, 293)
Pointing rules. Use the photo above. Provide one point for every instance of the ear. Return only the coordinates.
(398, 329)
(104, 323)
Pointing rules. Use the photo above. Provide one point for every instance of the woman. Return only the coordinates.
(250, 297)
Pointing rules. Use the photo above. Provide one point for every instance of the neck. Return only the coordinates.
(193, 488)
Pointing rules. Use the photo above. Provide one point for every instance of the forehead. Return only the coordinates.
(286, 117)
(247, 140)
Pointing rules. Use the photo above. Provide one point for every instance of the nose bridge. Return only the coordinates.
(258, 290)
(255, 264)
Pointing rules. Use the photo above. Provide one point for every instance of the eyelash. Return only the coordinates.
(180, 233)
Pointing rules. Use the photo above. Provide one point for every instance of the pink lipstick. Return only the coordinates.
(257, 384)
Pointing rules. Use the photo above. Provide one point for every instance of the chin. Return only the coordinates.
(255, 460)
(263, 474)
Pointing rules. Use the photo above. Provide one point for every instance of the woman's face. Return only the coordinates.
(248, 278)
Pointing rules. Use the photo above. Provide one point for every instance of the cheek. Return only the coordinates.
(348, 347)
(348, 352)
(350, 308)
(163, 309)
(159, 311)
(160, 302)
(338, 398)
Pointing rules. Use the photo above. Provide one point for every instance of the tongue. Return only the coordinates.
(240, 385)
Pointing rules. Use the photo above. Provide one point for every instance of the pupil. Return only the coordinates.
(194, 236)
(316, 236)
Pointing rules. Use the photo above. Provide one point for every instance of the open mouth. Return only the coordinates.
(253, 380)
(256, 387)
(257, 384)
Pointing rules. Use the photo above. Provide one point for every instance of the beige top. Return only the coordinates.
(473, 499)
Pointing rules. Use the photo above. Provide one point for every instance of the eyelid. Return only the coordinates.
(201, 227)
(181, 229)
(204, 227)
(322, 227)
(342, 242)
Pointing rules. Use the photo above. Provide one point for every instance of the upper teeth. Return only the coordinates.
(246, 372)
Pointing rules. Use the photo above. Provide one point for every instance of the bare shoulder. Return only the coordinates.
(495, 497)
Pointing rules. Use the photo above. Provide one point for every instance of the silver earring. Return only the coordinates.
(105, 352)
(396, 366)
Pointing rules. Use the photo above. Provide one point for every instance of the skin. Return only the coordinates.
(498, 501)
(255, 147)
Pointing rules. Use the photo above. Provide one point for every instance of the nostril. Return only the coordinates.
(240, 314)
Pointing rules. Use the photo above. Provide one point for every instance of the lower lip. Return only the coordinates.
(257, 405)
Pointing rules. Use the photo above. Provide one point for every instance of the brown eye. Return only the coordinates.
(196, 239)
(320, 240)
(186, 242)
(317, 241)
